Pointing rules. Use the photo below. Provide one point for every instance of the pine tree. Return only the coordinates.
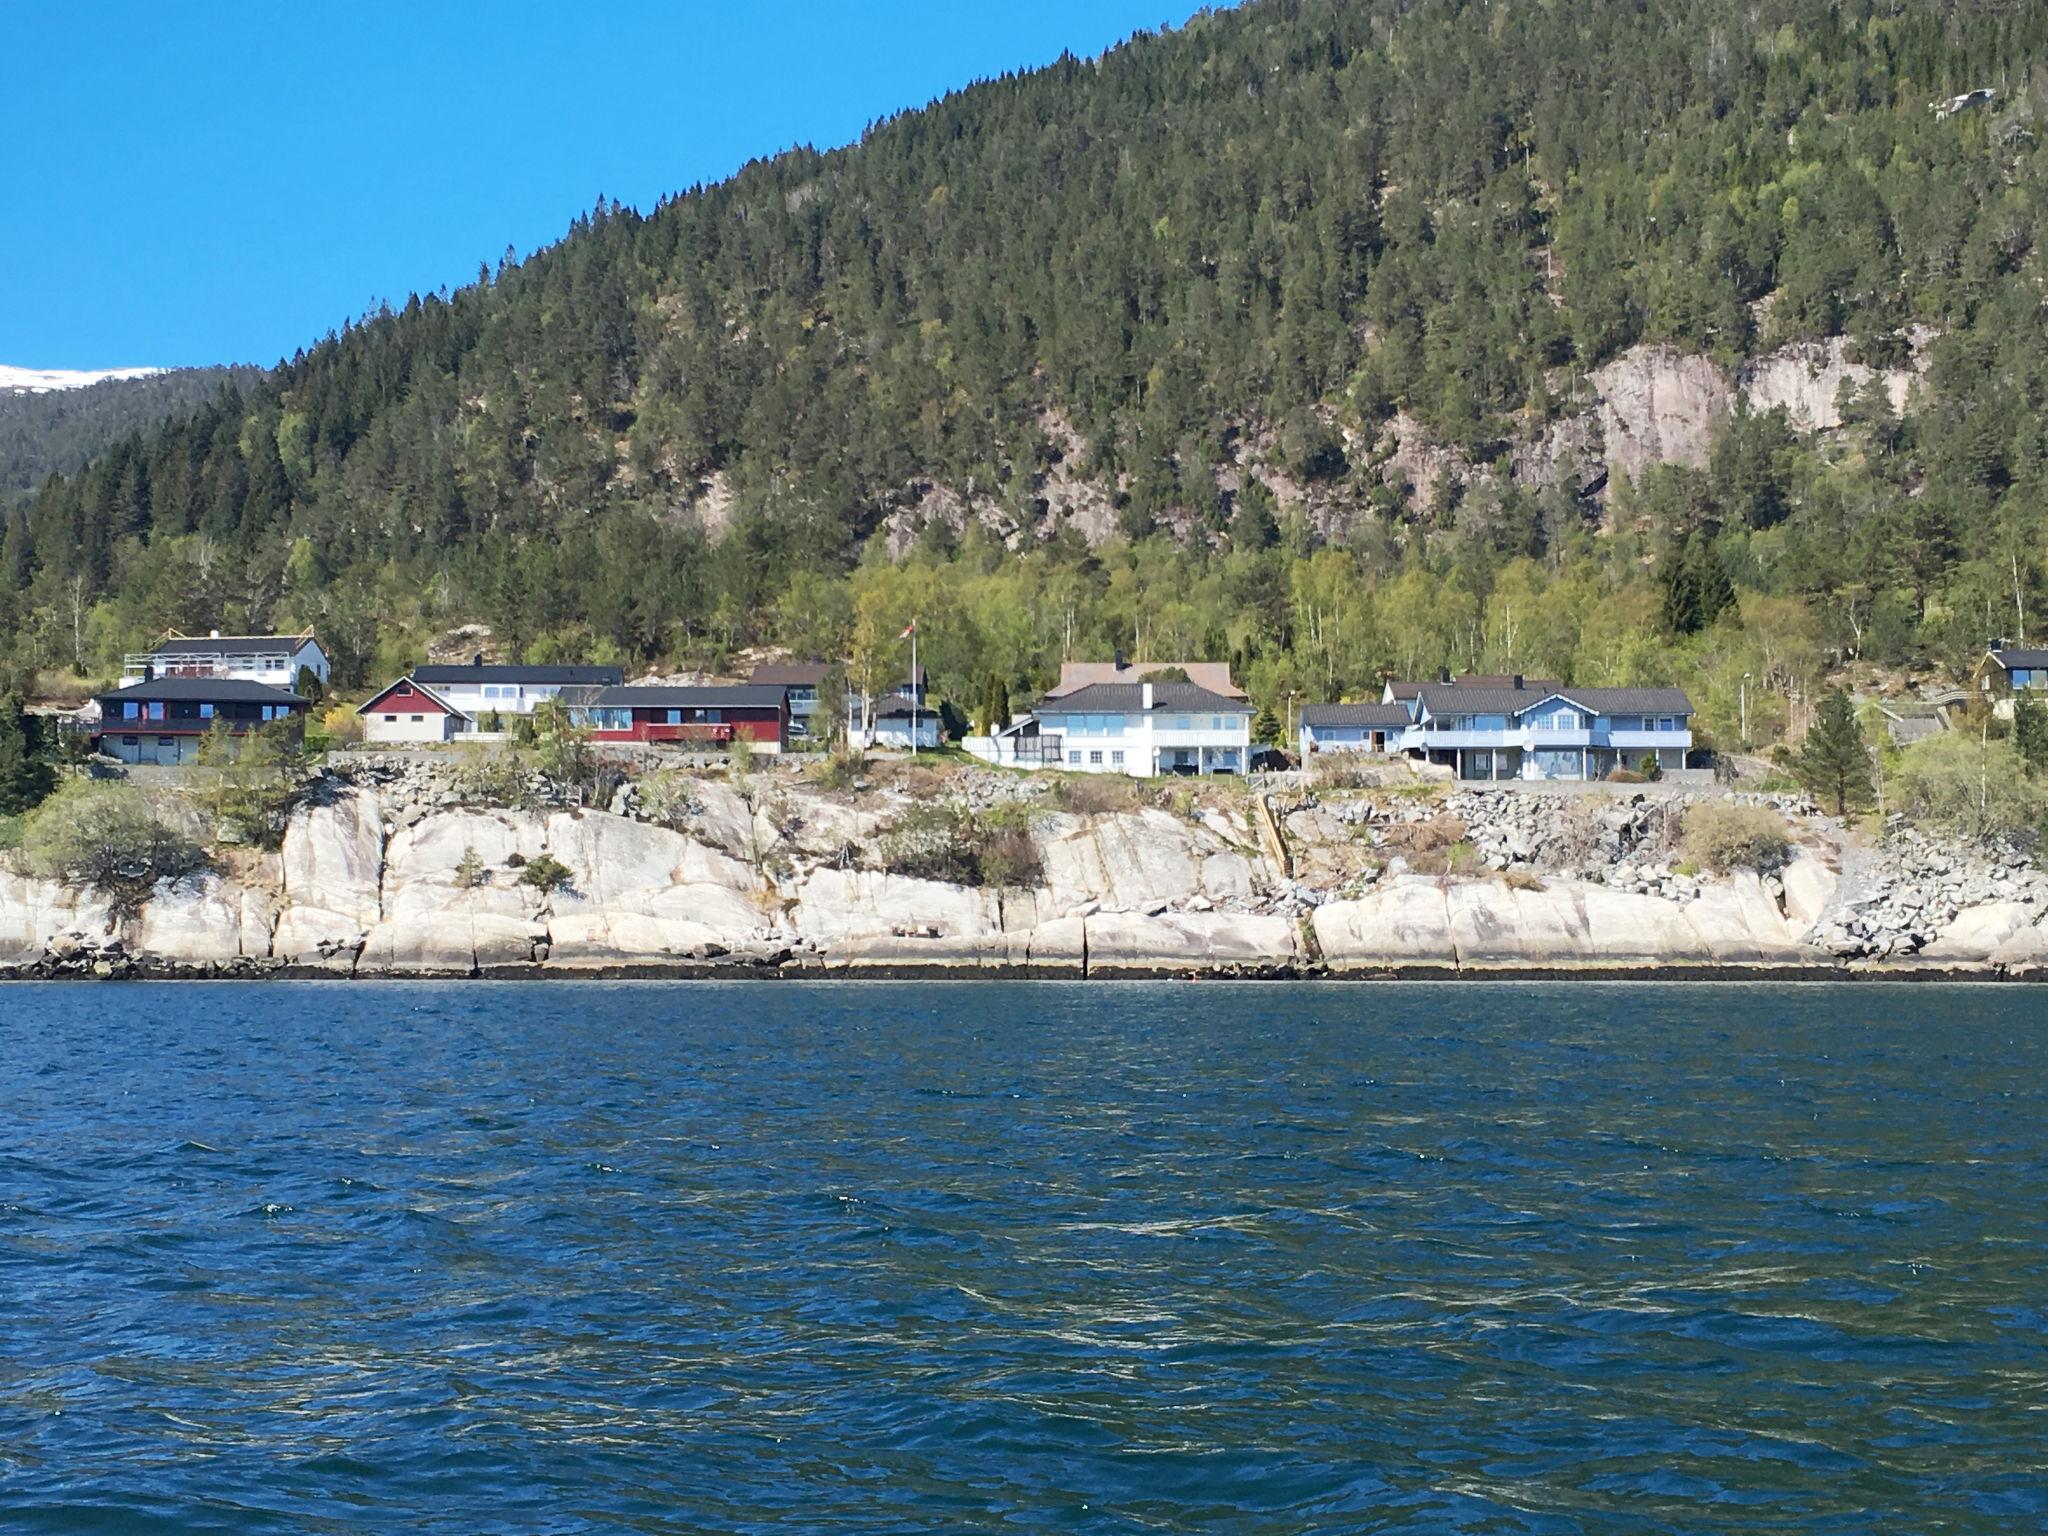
(1266, 726)
(2030, 732)
(25, 778)
(1834, 763)
(1714, 593)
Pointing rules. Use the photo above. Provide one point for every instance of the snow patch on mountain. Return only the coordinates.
(40, 381)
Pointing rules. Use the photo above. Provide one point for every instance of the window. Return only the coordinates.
(1181, 723)
(416, 719)
(130, 710)
(675, 717)
(1094, 759)
(1215, 722)
(1666, 723)
(154, 710)
(206, 711)
(1073, 759)
(391, 719)
(129, 741)
(403, 690)
(1116, 759)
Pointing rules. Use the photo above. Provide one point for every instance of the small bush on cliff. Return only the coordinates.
(1095, 794)
(942, 840)
(546, 874)
(1723, 836)
(106, 835)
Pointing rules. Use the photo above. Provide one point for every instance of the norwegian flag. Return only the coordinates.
(908, 630)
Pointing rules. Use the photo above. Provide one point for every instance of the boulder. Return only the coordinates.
(1406, 921)
(1188, 941)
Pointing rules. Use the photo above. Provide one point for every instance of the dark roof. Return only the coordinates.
(1129, 698)
(226, 645)
(1455, 699)
(1493, 680)
(385, 692)
(474, 672)
(709, 696)
(791, 674)
(2011, 657)
(1354, 714)
(207, 690)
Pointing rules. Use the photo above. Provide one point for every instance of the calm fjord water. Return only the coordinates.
(931, 1257)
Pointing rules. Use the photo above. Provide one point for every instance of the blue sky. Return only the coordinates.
(224, 183)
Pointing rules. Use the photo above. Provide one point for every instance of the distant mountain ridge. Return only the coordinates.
(56, 421)
(43, 380)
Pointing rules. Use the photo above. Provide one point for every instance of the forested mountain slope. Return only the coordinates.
(1299, 335)
(60, 431)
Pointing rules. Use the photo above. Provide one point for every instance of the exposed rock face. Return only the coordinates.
(1806, 379)
(1659, 405)
(1419, 922)
(366, 886)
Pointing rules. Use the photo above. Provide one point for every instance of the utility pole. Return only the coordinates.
(1743, 695)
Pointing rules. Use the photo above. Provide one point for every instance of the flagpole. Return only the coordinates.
(913, 687)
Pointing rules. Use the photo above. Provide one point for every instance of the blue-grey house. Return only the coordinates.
(1513, 729)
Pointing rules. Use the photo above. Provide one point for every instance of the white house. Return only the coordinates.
(895, 718)
(1144, 729)
(275, 661)
(481, 689)
(441, 703)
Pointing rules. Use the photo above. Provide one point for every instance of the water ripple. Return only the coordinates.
(937, 1258)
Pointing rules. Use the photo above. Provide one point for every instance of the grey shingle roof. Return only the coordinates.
(706, 696)
(1129, 698)
(510, 673)
(1456, 699)
(791, 674)
(2020, 657)
(228, 645)
(207, 690)
(1392, 716)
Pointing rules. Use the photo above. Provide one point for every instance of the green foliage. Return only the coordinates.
(2030, 732)
(26, 777)
(1834, 762)
(945, 840)
(1648, 766)
(470, 871)
(1723, 836)
(667, 797)
(1969, 786)
(546, 874)
(1266, 726)
(105, 834)
(248, 784)
(1218, 257)
(493, 774)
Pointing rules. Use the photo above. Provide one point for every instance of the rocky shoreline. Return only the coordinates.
(777, 879)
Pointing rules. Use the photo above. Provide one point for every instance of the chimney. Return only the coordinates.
(1120, 662)
(1518, 682)
(477, 660)
(1445, 677)
(1148, 694)
(213, 634)
(149, 671)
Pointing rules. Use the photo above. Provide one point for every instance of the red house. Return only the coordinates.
(701, 716)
